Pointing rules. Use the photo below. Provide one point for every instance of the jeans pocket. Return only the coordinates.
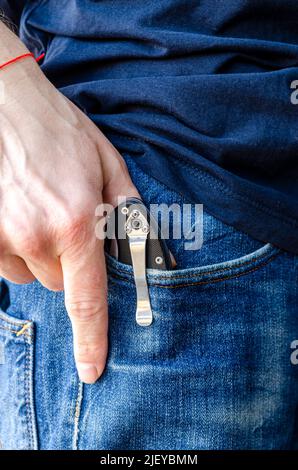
(206, 274)
(17, 423)
(202, 364)
(198, 377)
(182, 300)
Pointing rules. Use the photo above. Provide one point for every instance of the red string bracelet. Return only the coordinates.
(23, 56)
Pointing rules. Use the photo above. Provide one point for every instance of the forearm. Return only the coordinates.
(10, 45)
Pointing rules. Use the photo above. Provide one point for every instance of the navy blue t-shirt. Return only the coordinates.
(199, 92)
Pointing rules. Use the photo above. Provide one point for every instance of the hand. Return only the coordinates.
(55, 168)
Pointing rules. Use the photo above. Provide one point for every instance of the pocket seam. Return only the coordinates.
(30, 418)
(11, 320)
(211, 281)
(10, 323)
(128, 276)
(26, 339)
(8, 329)
(25, 334)
(213, 271)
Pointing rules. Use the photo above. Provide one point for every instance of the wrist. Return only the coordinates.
(20, 78)
(29, 97)
(19, 82)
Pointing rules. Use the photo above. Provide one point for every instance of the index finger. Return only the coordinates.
(85, 287)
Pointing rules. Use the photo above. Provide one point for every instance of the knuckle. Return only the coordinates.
(85, 311)
(76, 229)
(3, 248)
(30, 244)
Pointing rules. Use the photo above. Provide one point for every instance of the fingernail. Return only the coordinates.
(87, 373)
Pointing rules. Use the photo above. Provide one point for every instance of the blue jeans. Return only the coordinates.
(213, 371)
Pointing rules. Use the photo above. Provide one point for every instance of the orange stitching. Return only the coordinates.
(23, 330)
(210, 281)
(14, 331)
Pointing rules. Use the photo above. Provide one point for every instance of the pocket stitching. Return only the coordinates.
(26, 334)
(12, 321)
(8, 329)
(209, 281)
(213, 271)
(28, 406)
(30, 417)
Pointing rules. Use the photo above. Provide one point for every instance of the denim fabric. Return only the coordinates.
(213, 371)
(198, 89)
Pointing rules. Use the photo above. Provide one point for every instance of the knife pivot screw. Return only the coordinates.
(135, 214)
(136, 224)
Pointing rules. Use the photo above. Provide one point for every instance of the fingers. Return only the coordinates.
(86, 302)
(48, 271)
(14, 269)
(117, 181)
(30, 258)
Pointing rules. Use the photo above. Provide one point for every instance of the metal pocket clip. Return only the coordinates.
(137, 230)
